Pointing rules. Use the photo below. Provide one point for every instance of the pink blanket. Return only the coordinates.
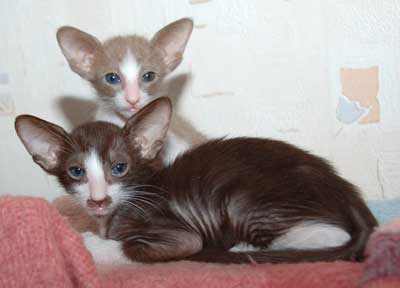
(39, 249)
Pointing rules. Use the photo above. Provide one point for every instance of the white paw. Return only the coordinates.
(104, 251)
(310, 235)
(244, 247)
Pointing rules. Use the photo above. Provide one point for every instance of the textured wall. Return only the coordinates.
(322, 74)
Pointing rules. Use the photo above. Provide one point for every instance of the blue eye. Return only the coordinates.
(112, 78)
(119, 170)
(76, 172)
(148, 76)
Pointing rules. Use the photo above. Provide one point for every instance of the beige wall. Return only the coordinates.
(322, 74)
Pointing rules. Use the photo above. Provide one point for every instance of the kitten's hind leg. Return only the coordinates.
(309, 235)
(244, 247)
(162, 245)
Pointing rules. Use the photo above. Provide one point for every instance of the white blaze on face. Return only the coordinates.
(130, 72)
(96, 179)
(96, 187)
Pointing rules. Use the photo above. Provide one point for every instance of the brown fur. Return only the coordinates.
(217, 195)
(242, 190)
(64, 150)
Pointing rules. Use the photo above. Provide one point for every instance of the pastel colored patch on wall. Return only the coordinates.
(6, 101)
(4, 79)
(195, 2)
(218, 93)
(359, 99)
(6, 105)
(200, 26)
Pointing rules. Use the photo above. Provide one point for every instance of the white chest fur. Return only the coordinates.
(105, 252)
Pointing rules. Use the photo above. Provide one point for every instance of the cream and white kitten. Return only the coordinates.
(127, 73)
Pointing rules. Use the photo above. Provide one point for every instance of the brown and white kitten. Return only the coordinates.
(236, 200)
(128, 72)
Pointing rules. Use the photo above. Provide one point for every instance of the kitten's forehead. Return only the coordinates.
(96, 136)
(118, 49)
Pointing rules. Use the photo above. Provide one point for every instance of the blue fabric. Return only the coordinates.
(385, 210)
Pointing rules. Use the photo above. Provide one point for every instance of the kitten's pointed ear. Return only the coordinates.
(80, 50)
(43, 140)
(148, 128)
(172, 39)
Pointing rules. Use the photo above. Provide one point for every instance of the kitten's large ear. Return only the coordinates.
(148, 128)
(80, 50)
(43, 140)
(172, 39)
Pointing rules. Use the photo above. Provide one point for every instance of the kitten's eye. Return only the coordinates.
(76, 172)
(119, 170)
(112, 78)
(148, 76)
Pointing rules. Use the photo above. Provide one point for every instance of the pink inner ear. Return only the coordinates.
(172, 61)
(85, 62)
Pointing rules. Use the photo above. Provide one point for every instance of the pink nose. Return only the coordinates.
(99, 204)
(132, 101)
(132, 94)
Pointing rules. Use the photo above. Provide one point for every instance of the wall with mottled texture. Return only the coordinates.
(322, 74)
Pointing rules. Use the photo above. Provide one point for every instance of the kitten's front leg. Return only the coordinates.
(162, 245)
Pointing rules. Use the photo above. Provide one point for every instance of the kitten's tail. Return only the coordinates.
(352, 250)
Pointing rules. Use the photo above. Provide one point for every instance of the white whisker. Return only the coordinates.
(146, 201)
(134, 205)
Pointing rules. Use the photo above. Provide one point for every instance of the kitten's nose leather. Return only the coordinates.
(132, 101)
(99, 204)
(132, 94)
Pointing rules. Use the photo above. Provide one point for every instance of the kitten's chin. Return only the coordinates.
(128, 112)
(100, 212)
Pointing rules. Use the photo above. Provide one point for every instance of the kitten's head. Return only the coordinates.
(127, 72)
(96, 159)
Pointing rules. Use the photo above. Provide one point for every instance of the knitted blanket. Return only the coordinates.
(39, 249)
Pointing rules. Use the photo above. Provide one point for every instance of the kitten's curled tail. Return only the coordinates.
(359, 229)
